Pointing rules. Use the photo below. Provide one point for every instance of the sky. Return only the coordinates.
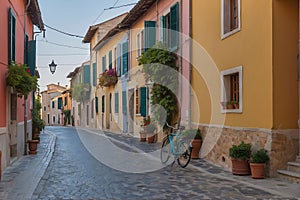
(74, 17)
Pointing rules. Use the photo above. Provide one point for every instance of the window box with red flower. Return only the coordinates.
(108, 78)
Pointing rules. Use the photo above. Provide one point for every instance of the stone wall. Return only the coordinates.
(282, 145)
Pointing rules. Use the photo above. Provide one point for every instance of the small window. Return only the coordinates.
(53, 104)
(45, 108)
(230, 17)
(103, 63)
(140, 43)
(115, 57)
(231, 93)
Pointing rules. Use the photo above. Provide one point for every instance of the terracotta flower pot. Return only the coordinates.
(151, 137)
(143, 137)
(32, 146)
(196, 144)
(240, 167)
(257, 170)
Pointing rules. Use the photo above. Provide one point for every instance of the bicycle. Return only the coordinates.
(181, 151)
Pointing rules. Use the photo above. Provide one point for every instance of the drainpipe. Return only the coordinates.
(180, 65)
(190, 65)
(25, 97)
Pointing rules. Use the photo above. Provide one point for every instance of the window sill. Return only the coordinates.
(224, 36)
(225, 111)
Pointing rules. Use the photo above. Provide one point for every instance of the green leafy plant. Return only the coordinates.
(20, 79)
(80, 92)
(37, 122)
(159, 66)
(260, 156)
(241, 151)
(192, 134)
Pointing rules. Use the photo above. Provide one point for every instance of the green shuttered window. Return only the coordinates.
(97, 105)
(94, 74)
(124, 103)
(103, 103)
(86, 74)
(110, 59)
(103, 63)
(59, 103)
(143, 101)
(116, 102)
(150, 34)
(125, 58)
(11, 36)
(31, 62)
(174, 26)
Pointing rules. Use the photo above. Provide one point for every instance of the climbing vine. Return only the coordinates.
(159, 66)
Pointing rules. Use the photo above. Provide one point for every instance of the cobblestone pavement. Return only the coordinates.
(74, 173)
(21, 178)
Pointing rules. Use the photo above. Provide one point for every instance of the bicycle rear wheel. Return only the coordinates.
(185, 154)
(165, 151)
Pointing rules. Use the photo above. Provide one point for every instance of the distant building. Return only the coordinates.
(52, 104)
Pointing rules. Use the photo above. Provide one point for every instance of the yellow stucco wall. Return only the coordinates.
(250, 48)
(285, 50)
(104, 120)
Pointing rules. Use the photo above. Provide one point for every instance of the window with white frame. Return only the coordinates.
(231, 89)
(230, 17)
(139, 43)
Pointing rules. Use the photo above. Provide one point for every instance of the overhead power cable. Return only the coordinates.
(115, 7)
(63, 32)
(63, 45)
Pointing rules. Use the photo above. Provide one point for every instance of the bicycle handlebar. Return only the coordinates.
(180, 127)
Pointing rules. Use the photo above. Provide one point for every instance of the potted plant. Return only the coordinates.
(196, 137)
(240, 155)
(257, 163)
(229, 105)
(32, 146)
(143, 134)
(149, 129)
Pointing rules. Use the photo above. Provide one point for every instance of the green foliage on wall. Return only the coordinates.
(159, 66)
(20, 79)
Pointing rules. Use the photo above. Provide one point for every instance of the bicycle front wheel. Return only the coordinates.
(185, 154)
(165, 151)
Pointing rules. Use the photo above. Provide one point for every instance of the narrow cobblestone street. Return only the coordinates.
(73, 173)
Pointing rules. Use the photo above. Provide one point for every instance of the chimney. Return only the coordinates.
(58, 83)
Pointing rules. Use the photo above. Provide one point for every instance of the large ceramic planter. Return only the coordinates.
(196, 145)
(151, 137)
(257, 170)
(240, 167)
(32, 146)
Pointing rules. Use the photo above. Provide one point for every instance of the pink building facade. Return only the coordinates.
(17, 20)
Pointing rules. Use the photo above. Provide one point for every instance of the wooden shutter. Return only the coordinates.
(143, 101)
(110, 59)
(86, 74)
(116, 102)
(103, 63)
(125, 58)
(124, 103)
(11, 36)
(94, 74)
(97, 104)
(31, 62)
(118, 60)
(103, 103)
(150, 34)
(174, 26)
(59, 103)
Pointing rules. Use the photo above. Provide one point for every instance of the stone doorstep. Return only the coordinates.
(294, 167)
(289, 176)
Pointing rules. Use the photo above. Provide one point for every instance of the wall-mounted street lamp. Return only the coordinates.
(52, 67)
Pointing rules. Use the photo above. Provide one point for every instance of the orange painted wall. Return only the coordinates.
(285, 50)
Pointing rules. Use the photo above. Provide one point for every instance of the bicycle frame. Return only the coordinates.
(173, 150)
